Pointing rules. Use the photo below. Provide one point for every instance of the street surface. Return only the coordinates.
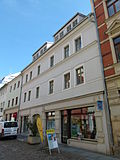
(11, 149)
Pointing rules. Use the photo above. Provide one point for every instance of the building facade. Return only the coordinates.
(3, 93)
(108, 23)
(13, 99)
(64, 86)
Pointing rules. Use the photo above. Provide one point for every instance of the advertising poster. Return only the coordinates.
(52, 140)
(40, 129)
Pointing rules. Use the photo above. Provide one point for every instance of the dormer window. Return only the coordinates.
(113, 6)
(45, 48)
(61, 34)
(75, 23)
(56, 38)
(41, 52)
(69, 28)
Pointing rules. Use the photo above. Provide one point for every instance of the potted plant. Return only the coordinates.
(33, 138)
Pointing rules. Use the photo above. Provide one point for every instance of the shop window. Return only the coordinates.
(113, 6)
(116, 42)
(83, 123)
(50, 120)
(25, 128)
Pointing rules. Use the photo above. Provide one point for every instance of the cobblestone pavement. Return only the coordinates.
(16, 150)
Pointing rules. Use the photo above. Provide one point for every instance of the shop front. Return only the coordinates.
(78, 124)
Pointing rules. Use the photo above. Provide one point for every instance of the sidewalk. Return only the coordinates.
(77, 153)
(89, 155)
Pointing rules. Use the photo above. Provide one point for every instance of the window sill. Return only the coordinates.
(84, 140)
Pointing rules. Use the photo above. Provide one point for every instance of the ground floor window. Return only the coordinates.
(50, 116)
(78, 123)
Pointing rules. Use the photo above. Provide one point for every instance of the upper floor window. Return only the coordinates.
(41, 52)
(25, 94)
(13, 102)
(51, 61)
(51, 86)
(77, 44)
(69, 28)
(66, 51)
(26, 77)
(113, 6)
(9, 103)
(117, 47)
(61, 34)
(79, 75)
(75, 23)
(14, 86)
(67, 81)
(16, 101)
(38, 72)
(10, 88)
(37, 92)
(30, 75)
(18, 84)
(29, 95)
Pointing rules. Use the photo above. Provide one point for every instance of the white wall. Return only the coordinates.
(88, 57)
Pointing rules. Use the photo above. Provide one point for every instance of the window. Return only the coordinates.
(41, 52)
(51, 85)
(29, 95)
(75, 23)
(9, 103)
(67, 81)
(66, 51)
(10, 88)
(77, 44)
(69, 28)
(26, 77)
(18, 84)
(16, 101)
(25, 94)
(30, 75)
(38, 70)
(61, 34)
(37, 92)
(13, 102)
(45, 48)
(14, 86)
(117, 47)
(79, 76)
(52, 61)
(56, 38)
(113, 6)
(83, 123)
(50, 116)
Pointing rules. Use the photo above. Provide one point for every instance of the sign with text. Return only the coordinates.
(100, 105)
(52, 140)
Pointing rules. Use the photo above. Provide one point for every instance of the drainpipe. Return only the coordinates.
(20, 97)
(107, 108)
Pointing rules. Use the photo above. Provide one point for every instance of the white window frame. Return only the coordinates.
(65, 45)
(78, 66)
(76, 37)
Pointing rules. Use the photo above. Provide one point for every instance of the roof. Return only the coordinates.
(82, 15)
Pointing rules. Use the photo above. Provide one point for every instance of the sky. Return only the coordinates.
(25, 25)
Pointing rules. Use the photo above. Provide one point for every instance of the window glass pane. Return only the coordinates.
(109, 2)
(117, 6)
(78, 44)
(79, 75)
(67, 80)
(111, 11)
(83, 123)
(66, 52)
(117, 48)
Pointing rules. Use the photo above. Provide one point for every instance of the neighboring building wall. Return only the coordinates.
(84, 97)
(108, 21)
(3, 92)
(13, 98)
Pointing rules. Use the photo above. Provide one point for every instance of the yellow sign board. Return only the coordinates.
(40, 129)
